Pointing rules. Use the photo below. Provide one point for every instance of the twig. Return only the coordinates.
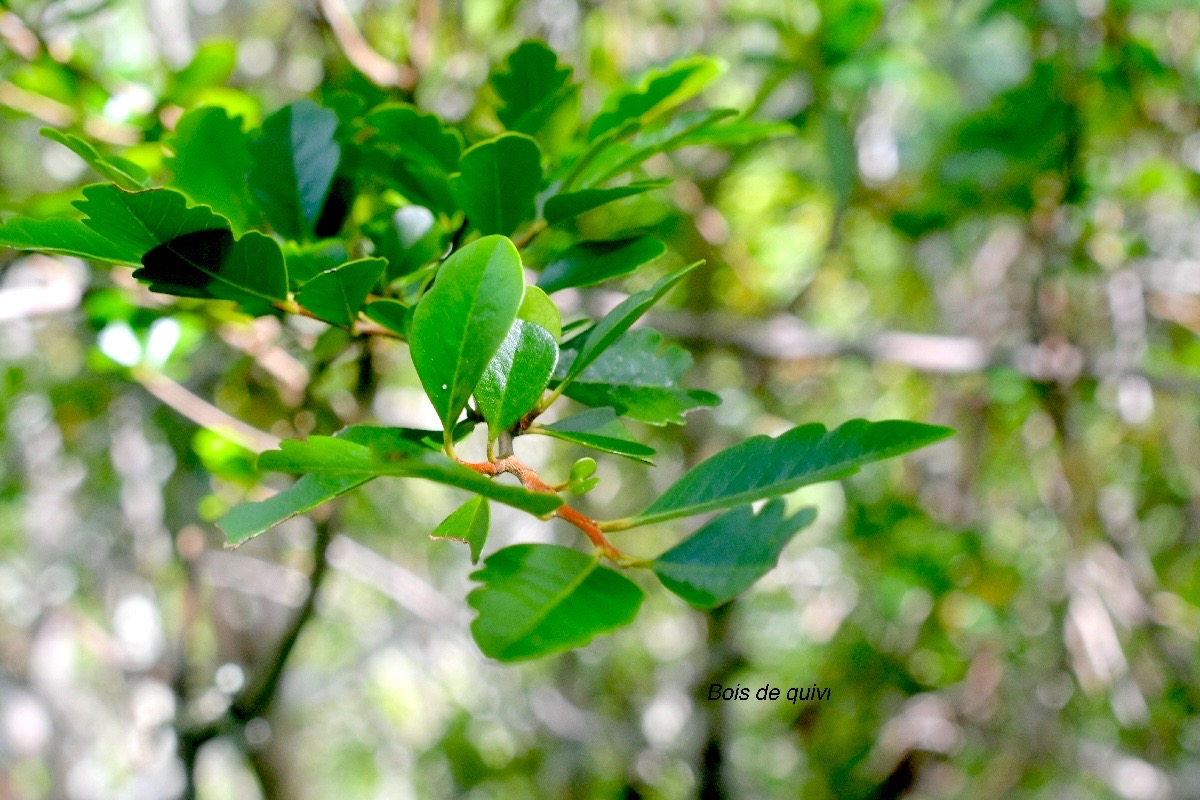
(202, 412)
(381, 70)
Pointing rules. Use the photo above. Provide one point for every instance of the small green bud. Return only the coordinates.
(583, 468)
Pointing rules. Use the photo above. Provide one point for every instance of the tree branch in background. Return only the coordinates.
(202, 412)
(367, 60)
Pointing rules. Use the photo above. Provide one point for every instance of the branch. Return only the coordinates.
(381, 70)
(202, 412)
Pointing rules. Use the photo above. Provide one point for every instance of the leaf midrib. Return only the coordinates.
(552, 604)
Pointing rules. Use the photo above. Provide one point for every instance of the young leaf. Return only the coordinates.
(337, 295)
(468, 524)
(460, 323)
(498, 182)
(530, 81)
(210, 164)
(638, 376)
(657, 92)
(590, 263)
(598, 429)
(763, 467)
(120, 171)
(391, 314)
(516, 376)
(536, 307)
(601, 336)
(569, 205)
(723, 558)
(538, 599)
(211, 263)
(295, 159)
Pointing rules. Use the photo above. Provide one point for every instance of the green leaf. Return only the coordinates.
(591, 263)
(412, 238)
(739, 133)
(468, 524)
(391, 314)
(723, 558)
(249, 270)
(498, 183)
(295, 160)
(137, 222)
(602, 335)
(247, 520)
(212, 65)
(569, 205)
(67, 237)
(516, 376)
(414, 137)
(763, 467)
(307, 260)
(598, 429)
(657, 92)
(120, 171)
(391, 453)
(623, 157)
(538, 599)
(638, 376)
(210, 164)
(530, 82)
(460, 323)
(538, 308)
(337, 295)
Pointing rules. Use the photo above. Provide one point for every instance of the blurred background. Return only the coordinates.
(983, 218)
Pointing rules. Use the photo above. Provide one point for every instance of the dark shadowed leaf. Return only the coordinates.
(460, 322)
(337, 295)
(727, 555)
(598, 429)
(538, 599)
(249, 270)
(498, 182)
(468, 524)
(295, 159)
(590, 263)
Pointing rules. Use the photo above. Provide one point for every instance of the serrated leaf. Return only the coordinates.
(414, 137)
(247, 520)
(391, 314)
(538, 599)
(602, 335)
(67, 237)
(536, 307)
(516, 376)
(337, 295)
(727, 555)
(592, 263)
(468, 524)
(120, 171)
(569, 205)
(639, 377)
(210, 164)
(498, 182)
(598, 429)
(762, 466)
(530, 80)
(657, 92)
(307, 260)
(295, 160)
(389, 454)
(460, 323)
(211, 263)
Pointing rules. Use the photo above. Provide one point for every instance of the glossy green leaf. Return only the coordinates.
(538, 599)
(569, 205)
(763, 467)
(211, 263)
(598, 429)
(468, 524)
(530, 86)
(390, 453)
(337, 295)
(638, 376)
(294, 162)
(537, 307)
(246, 520)
(67, 237)
(414, 137)
(498, 183)
(460, 323)
(120, 171)
(657, 92)
(591, 263)
(391, 314)
(602, 335)
(727, 555)
(307, 260)
(516, 376)
(137, 222)
(210, 163)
